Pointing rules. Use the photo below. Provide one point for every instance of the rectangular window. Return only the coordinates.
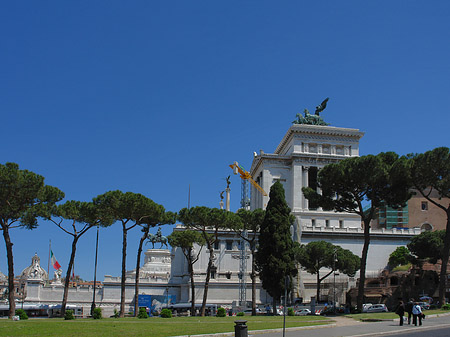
(327, 223)
(229, 245)
(313, 222)
(216, 245)
(341, 223)
(424, 206)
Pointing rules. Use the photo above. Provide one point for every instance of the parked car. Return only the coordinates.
(303, 312)
(377, 308)
(366, 306)
(249, 311)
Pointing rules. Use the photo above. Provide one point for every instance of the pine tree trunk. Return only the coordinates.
(274, 306)
(318, 288)
(445, 258)
(9, 254)
(191, 275)
(362, 270)
(208, 275)
(138, 266)
(122, 281)
(69, 270)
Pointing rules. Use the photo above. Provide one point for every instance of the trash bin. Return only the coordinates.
(240, 329)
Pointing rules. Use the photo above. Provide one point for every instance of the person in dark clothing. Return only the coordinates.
(408, 309)
(400, 311)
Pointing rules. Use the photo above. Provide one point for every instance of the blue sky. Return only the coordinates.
(154, 96)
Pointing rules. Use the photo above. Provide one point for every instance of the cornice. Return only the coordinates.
(318, 130)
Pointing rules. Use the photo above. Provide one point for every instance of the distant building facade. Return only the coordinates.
(419, 213)
(302, 152)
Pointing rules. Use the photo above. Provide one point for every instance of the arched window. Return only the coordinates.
(426, 227)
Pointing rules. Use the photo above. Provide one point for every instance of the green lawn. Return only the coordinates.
(155, 327)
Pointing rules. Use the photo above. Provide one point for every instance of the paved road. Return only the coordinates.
(432, 326)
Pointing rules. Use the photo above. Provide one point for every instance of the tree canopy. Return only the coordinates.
(130, 209)
(76, 212)
(275, 257)
(347, 184)
(429, 173)
(321, 254)
(428, 246)
(208, 221)
(185, 240)
(23, 199)
(401, 256)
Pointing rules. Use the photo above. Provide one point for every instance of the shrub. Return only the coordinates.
(240, 314)
(291, 312)
(97, 314)
(116, 313)
(142, 313)
(166, 313)
(69, 315)
(446, 306)
(22, 314)
(221, 312)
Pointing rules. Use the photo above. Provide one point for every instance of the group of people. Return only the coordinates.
(414, 311)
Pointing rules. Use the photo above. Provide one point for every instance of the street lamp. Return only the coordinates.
(95, 275)
(334, 282)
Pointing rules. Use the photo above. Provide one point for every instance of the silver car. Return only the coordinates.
(377, 308)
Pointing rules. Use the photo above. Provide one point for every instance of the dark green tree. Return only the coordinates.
(346, 185)
(208, 221)
(156, 216)
(23, 199)
(185, 240)
(428, 246)
(131, 210)
(275, 258)
(248, 229)
(77, 213)
(321, 254)
(430, 175)
(401, 256)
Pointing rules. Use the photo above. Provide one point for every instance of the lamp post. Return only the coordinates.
(95, 275)
(334, 282)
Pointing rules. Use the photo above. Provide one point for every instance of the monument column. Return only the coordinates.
(297, 184)
(305, 184)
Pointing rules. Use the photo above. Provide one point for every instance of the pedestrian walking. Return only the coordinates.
(408, 308)
(417, 314)
(400, 311)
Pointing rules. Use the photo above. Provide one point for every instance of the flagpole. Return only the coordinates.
(189, 197)
(48, 265)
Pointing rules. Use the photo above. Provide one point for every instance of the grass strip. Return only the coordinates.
(156, 327)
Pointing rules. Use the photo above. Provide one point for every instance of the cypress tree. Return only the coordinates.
(275, 257)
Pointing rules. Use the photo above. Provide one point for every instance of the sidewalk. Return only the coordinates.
(344, 326)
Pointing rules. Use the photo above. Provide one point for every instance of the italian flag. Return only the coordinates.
(55, 263)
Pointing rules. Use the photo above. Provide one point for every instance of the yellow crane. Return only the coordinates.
(246, 176)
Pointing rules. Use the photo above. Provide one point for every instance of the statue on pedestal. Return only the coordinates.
(312, 119)
(57, 273)
(157, 238)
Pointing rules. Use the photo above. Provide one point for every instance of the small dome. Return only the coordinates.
(34, 271)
